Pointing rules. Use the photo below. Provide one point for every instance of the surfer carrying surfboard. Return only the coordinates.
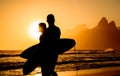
(51, 37)
(53, 47)
(48, 41)
(46, 52)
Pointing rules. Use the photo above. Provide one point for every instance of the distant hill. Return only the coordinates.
(70, 33)
(104, 35)
(118, 28)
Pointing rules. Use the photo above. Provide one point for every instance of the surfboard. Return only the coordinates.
(29, 51)
(32, 62)
(64, 44)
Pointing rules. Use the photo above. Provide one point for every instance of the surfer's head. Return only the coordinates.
(42, 27)
(50, 19)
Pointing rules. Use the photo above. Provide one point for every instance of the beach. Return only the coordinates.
(69, 64)
(106, 71)
(103, 71)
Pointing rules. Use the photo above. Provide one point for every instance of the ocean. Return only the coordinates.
(11, 63)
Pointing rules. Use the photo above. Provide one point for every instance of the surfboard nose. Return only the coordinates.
(65, 44)
(70, 43)
(73, 42)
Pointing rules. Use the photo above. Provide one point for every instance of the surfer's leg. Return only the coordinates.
(45, 70)
(52, 66)
(54, 73)
(48, 70)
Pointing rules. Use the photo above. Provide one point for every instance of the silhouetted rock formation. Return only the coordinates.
(72, 32)
(104, 35)
(102, 24)
(118, 28)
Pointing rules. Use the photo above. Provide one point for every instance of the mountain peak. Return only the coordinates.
(104, 18)
(103, 22)
(104, 35)
(112, 25)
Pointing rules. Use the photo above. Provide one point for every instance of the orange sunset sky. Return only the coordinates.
(17, 17)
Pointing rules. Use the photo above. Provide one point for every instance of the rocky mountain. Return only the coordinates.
(105, 35)
(118, 28)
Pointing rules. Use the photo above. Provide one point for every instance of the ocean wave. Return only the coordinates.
(66, 65)
(8, 55)
(11, 65)
(66, 61)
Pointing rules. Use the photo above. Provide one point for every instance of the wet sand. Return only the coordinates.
(107, 71)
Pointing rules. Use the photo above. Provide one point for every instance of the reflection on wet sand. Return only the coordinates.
(107, 71)
(39, 74)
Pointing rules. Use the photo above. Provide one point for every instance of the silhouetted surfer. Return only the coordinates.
(46, 52)
(51, 38)
(32, 50)
(42, 29)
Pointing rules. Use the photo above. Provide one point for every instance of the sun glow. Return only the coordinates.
(38, 74)
(34, 30)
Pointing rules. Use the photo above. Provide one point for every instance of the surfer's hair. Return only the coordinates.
(50, 18)
(43, 25)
